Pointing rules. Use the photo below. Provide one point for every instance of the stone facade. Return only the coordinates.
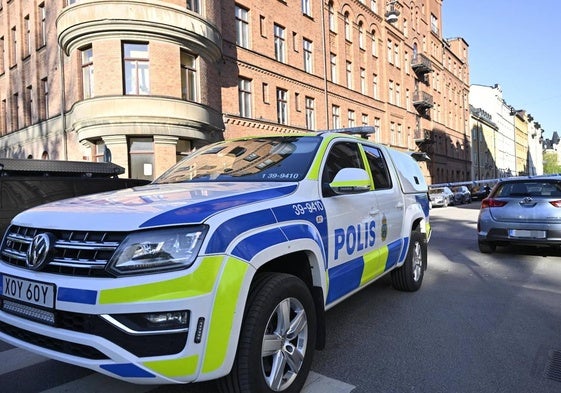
(144, 82)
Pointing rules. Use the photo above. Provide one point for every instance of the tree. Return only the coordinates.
(550, 163)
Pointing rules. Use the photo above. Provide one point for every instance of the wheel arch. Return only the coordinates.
(306, 265)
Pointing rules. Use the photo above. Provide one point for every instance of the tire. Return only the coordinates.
(285, 365)
(409, 276)
(487, 247)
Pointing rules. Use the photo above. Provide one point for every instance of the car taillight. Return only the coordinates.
(490, 202)
(556, 203)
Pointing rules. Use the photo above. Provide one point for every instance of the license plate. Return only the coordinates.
(523, 233)
(28, 291)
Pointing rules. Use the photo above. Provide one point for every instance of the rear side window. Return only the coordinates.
(534, 188)
(378, 167)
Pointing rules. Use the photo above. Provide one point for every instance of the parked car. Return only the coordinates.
(461, 195)
(480, 192)
(521, 211)
(441, 196)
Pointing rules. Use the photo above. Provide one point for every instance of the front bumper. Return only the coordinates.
(83, 335)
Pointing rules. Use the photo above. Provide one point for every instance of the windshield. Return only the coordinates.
(436, 190)
(272, 159)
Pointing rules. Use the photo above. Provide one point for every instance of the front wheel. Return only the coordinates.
(409, 276)
(277, 340)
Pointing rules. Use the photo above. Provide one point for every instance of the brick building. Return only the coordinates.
(143, 82)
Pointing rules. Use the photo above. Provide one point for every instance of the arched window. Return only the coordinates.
(360, 35)
(348, 30)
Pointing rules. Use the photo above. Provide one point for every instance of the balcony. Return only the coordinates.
(141, 115)
(423, 136)
(422, 100)
(421, 64)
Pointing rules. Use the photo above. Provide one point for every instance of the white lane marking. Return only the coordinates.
(14, 359)
(96, 383)
(317, 383)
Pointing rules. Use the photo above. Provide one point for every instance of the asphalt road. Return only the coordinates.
(480, 323)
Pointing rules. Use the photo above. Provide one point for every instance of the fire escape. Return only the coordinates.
(422, 101)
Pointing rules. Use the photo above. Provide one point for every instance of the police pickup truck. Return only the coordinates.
(222, 268)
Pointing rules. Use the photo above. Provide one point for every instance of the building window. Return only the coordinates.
(141, 158)
(188, 76)
(262, 26)
(390, 93)
(28, 106)
(396, 57)
(363, 80)
(87, 72)
(14, 48)
(2, 51)
(244, 97)
(373, 6)
(375, 92)
(27, 42)
(374, 44)
(4, 123)
(14, 112)
(407, 99)
(42, 18)
(194, 5)
(433, 24)
(351, 118)
(397, 94)
(333, 62)
(137, 68)
(308, 58)
(310, 113)
(100, 151)
(390, 52)
(43, 99)
(280, 47)
(360, 35)
(331, 16)
(348, 30)
(242, 27)
(335, 116)
(364, 119)
(265, 92)
(349, 72)
(307, 7)
(282, 106)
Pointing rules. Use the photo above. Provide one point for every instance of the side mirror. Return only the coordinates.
(350, 181)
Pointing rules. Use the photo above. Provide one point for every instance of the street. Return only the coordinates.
(480, 323)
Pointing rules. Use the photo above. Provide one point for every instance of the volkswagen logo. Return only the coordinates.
(39, 251)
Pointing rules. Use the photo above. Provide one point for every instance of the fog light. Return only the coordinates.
(173, 319)
(151, 323)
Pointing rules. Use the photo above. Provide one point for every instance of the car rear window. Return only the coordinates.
(535, 188)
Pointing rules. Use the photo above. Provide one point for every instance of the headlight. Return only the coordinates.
(159, 250)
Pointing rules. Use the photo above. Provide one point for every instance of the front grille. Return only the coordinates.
(76, 253)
